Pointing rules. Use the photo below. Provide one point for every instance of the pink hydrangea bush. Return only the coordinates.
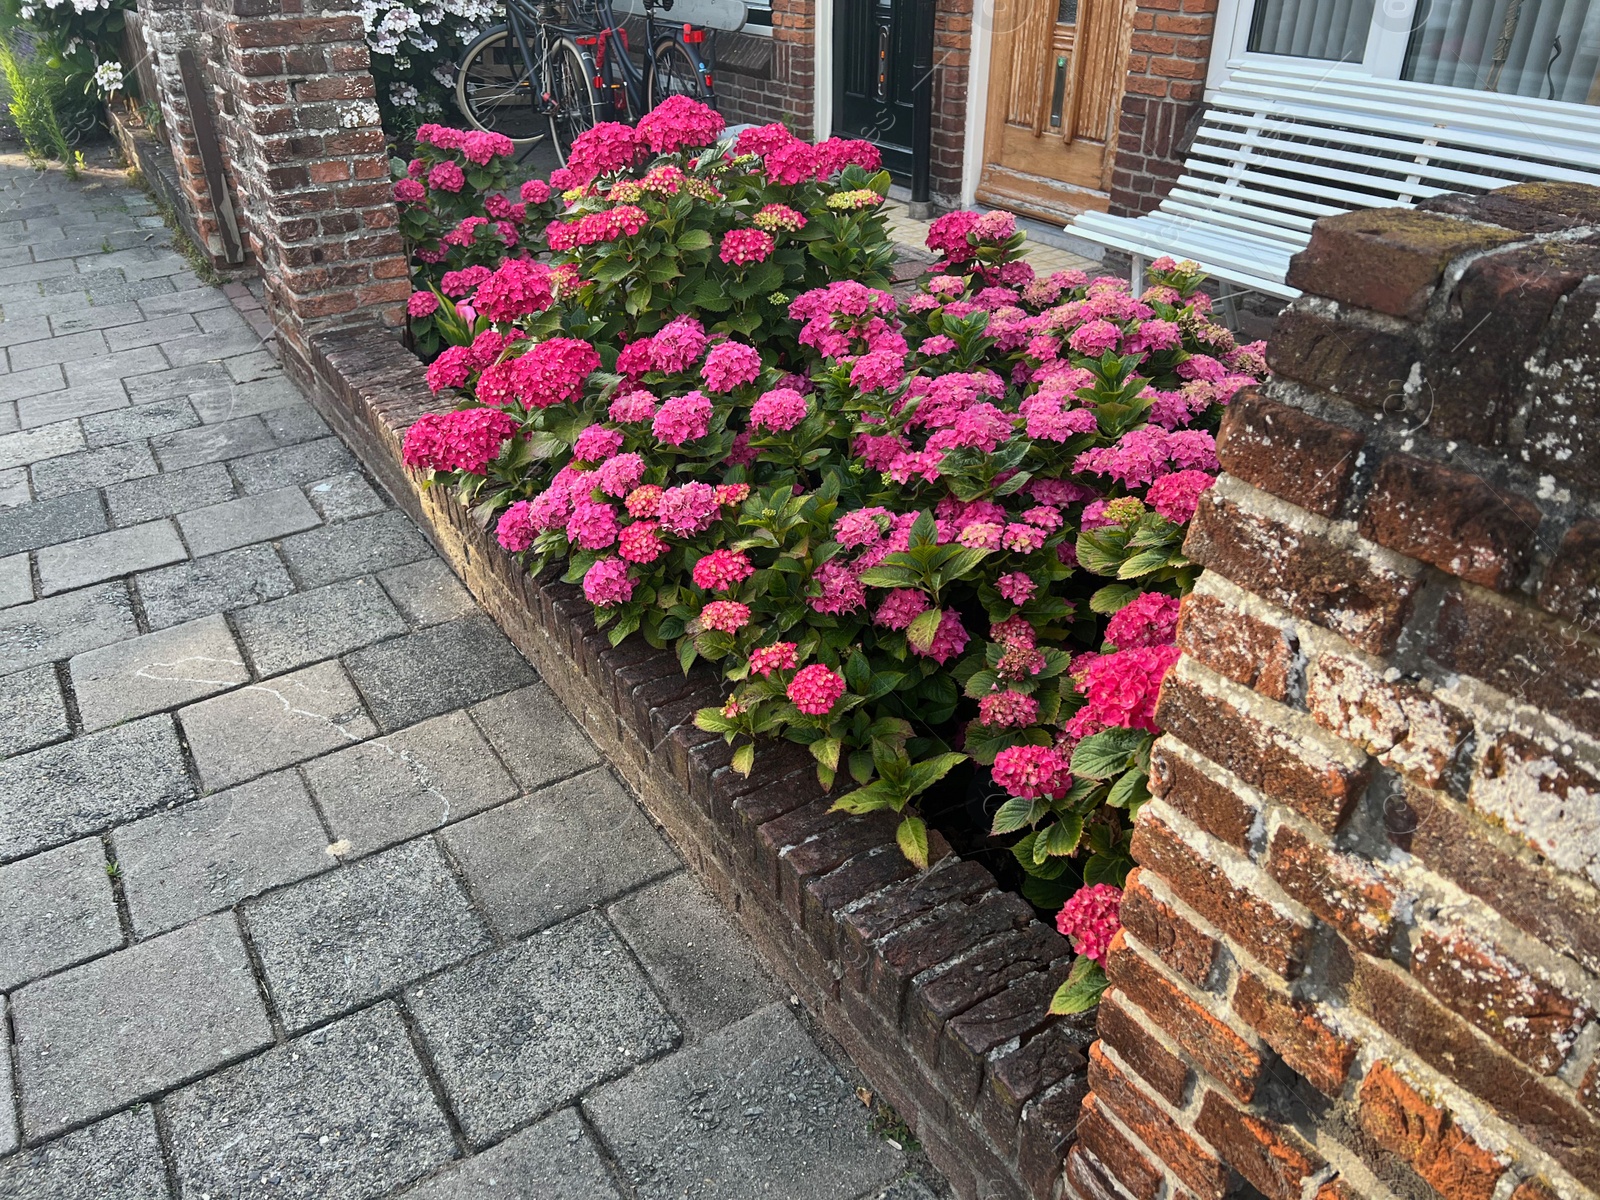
(913, 531)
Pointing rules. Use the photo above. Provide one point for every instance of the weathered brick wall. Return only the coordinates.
(1161, 101)
(1361, 954)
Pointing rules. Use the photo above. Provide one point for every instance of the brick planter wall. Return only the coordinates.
(1361, 955)
(936, 984)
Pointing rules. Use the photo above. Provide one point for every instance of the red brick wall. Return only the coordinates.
(1166, 80)
(1361, 954)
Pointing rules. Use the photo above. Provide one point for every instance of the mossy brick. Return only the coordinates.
(1561, 435)
(910, 900)
(1275, 1159)
(1290, 453)
(946, 934)
(1545, 207)
(1406, 726)
(1390, 259)
(1055, 1056)
(830, 848)
(826, 895)
(1355, 362)
(1188, 951)
(1173, 1145)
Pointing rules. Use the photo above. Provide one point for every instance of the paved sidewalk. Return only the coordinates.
(308, 886)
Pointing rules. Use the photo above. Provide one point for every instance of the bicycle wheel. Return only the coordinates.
(675, 72)
(493, 91)
(569, 86)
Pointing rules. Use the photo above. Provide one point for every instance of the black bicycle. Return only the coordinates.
(565, 65)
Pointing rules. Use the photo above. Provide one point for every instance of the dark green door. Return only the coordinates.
(872, 54)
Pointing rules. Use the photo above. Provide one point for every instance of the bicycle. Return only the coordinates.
(510, 84)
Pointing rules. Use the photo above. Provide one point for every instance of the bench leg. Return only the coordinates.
(1230, 308)
(1136, 274)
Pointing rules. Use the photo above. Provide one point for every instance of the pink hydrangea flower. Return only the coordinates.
(1122, 689)
(631, 406)
(606, 582)
(949, 640)
(815, 689)
(592, 526)
(1016, 587)
(722, 570)
(682, 418)
(1090, 920)
(881, 370)
(1007, 710)
(1023, 538)
(729, 364)
(620, 474)
(762, 139)
(677, 345)
(1094, 338)
(725, 616)
(554, 371)
(948, 236)
(680, 122)
(775, 217)
(409, 191)
(841, 590)
(780, 409)
(639, 543)
(600, 150)
(1033, 772)
(1149, 619)
(535, 191)
(687, 509)
(981, 535)
(859, 527)
(422, 304)
(518, 288)
(597, 443)
(515, 531)
(450, 369)
(446, 177)
(643, 501)
(791, 162)
(1177, 496)
(780, 656)
(743, 246)
(900, 607)
(936, 345)
(467, 440)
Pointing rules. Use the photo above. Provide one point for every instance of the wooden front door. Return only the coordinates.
(1055, 86)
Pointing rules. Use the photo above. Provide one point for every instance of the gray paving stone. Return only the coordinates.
(36, 445)
(25, 329)
(427, 592)
(535, 736)
(211, 443)
(9, 1140)
(264, 395)
(62, 792)
(120, 1157)
(34, 712)
(547, 856)
(343, 1113)
(121, 365)
(296, 423)
(135, 1023)
(92, 469)
(107, 556)
(46, 522)
(358, 547)
(553, 1160)
(191, 300)
(345, 497)
(157, 671)
(16, 580)
(699, 962)
(322, 623)
(68, 403)
(266, 517)
(21, 384)
(8, 416)
(179, 865)
(14, 489)
(151, 333)
(64, 348)
(59, 911)
(757, 1102)
(170, 494)
(331, 943)
(501, 1033)
(61, 626)
(292, 465)
(141, 421)
(277, 723)
(100, 317)
(409, 679)
(224, 582)
(396, 787)
(245, 368)
(175, 382)
(210, 347)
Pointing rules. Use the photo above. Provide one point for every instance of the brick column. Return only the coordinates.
(1161, 101)
(299, 123)
(1361, 954)
(794, 63)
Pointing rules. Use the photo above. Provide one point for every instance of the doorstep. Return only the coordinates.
(936, 984)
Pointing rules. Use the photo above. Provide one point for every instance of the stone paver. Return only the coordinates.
(344, 1111)
(61, 912)
(273, 724)
(206, 856)
(757, 1102)
(34, 712)
(135, 1023)
(345, 938)
(160, 670)
(120, 1156)
(543, 858)
(309, 888)
(396, 787)
(556, 1159)
(501, 1034)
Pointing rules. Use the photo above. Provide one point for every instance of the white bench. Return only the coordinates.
(1280, 146)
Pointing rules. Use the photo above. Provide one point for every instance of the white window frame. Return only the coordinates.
(1383, 57)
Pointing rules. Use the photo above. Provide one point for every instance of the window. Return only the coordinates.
(1549, 49)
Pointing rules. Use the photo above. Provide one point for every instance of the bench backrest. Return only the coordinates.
(1281, 146)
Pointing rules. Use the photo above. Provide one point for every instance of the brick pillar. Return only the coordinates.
(952, 59)
(299, 124)
(1361, 954)
(1161, 101)
(794, 63)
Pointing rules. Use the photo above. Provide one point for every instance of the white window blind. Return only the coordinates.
(1544, 48)
(1329, 29)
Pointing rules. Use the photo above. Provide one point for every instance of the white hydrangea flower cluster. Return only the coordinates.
(393, 25)
(108, 77)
